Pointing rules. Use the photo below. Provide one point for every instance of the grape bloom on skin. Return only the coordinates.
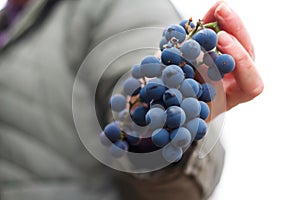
(163, 95)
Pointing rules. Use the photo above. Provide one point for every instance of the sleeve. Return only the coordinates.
(120, 35)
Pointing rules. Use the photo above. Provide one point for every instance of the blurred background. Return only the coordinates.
(2, 3)
(262, 137)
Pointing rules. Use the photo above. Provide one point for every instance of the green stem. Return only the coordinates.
(195, 30)
(214, 25)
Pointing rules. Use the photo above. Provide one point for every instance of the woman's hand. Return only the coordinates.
(244, 83)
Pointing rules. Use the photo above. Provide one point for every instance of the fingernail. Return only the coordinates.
(223, 10)
(225, 39)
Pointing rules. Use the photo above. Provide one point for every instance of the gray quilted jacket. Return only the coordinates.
(41, 155)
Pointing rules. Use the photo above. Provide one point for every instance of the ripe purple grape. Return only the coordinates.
(207, 39)
(118, 102)
(185, 23)
(138, 115)
(181, 137)
(155, 91)
(136, 71)
(176, 31)
(171, 153)
(197, 128)
(104, 140)
(160, 137)
(112, 131)
(214, 74)
(191, 107)
(156, 118)
(172, 76)
(189, 88)
(172, 97)
(188, 71)
(208, 92)
(133, 139)
(162, 43)
(205, 111)
(175, 117)
(190, 49)
(151, 67)
(118, 149)
(131, 86)
(171, 56)
(209, 58)
(225, 63)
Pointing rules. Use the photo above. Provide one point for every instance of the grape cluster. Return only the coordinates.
(162, 105)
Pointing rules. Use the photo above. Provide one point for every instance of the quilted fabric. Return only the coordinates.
(41, 156)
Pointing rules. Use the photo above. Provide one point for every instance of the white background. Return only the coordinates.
(2, 3)
(262, 137)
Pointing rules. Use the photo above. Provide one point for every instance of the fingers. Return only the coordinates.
(247, 78)
(210, 15)
(231, 23)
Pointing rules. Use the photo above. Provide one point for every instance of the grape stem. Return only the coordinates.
(200, 25)
(214, 25)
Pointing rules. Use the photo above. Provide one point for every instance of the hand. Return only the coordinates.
(244, 83)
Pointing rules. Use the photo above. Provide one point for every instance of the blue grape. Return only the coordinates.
(162, 43)
(172, 76)
(197, 128)
(200, 92)
(225, 63)
(119, 149)
(156, 118)
(188, 71)
(185, 23)
(207, 39)
(176, 31)
(191, 107)
(208, 92)
(104, 140)
(171, 56)
(190, 49)
(175, 117)
(160, 137)
(172, 97)
(155, 91)
(209, 58)
(171, 153)
(189, 88)
(146, 145)
(122, 115)
(144, 97)
(117, 102)
(157, 104)
(156, 80)
(190, 62)
(136, 71)
(131, 86)
(151, 67)
(133, 138)
(164, 32)
(138, 115)
(205, 111)
(214, 74)
(181, 137)
(112, 131)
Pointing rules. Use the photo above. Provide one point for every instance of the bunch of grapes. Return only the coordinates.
(162, 105)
